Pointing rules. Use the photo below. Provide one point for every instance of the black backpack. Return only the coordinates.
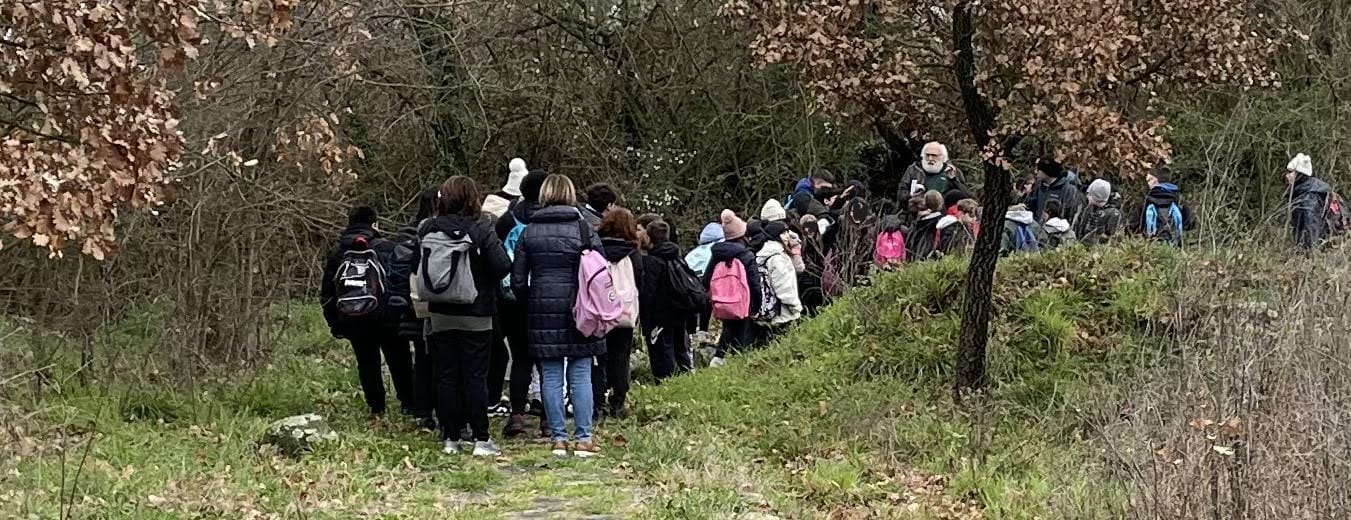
(688, 294)
(399, 255)
(362, 284)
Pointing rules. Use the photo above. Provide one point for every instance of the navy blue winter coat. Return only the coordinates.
(544, 275)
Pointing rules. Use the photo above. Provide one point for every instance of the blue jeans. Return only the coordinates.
(551, 374)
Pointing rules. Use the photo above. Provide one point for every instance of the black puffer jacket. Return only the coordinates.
(1308, 202)
(489, 265)
(725, 251)
(544, 276)
(655, 294)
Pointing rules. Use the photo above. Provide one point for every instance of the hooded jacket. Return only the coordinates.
(328, 290)
(616, 249)
(803, 201)
(1161, 197)
(654, 294)
(698, 257)
(1065, 189)
(954, 236)
(1014, 219)
(544, 275)
(735, 252)
(924, 240)
(1098, 224)
(489, 264)
(1308, 203)
(783, 278)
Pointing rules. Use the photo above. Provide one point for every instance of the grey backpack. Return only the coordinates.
(445, 274)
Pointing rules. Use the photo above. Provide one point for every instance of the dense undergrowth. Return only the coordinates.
(851, 415)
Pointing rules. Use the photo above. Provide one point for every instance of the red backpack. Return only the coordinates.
(730, 291)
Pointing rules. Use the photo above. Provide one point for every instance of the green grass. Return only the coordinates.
(849, 414)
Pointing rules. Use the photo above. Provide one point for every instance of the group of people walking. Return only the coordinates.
(557, 286)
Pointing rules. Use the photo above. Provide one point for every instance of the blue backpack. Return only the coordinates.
(1164, 228)
(509, 244)
(1024, 239)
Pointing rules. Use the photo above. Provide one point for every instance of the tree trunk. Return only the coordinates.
(997, 189)
(978, 302)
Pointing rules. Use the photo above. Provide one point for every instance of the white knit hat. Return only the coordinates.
(1302, 163)
(772, 211)
(514, 178)
(1100, 189)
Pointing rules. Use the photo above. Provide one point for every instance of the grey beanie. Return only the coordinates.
(1100, 190)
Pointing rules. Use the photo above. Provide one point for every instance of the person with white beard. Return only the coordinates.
(933, 171)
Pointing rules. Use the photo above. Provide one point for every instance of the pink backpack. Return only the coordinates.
(597, 309)
(730, 291)
(626, 286)
(890, 249)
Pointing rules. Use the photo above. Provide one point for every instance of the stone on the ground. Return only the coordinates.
(299, 434)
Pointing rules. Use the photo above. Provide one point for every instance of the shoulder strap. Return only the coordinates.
(584, 233)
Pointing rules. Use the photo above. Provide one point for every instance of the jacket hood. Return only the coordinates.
(711, 233)
(724, 251)
(1021, 216)
(1164, 194)
(1057, 225)
(357, 231)
(556, 214)
(770, 248)
(617, 249)
(524, 210)
(665, 251)
(1307, 184)
(805, 184)
(946, 221)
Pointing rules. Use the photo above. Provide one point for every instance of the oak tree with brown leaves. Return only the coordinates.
(89, 120)
(1081, 78)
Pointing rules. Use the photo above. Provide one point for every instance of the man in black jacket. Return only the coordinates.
(1308, 203)
(372, 335)
(1054, 182)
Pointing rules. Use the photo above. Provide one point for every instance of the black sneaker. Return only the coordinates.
(536, 408)
(425, 424)
(501, 410)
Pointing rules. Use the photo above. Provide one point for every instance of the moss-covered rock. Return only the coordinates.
(299, 434)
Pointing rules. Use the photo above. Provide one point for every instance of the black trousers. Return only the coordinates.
(424, 381)
(668, 348)
(611, 371)
(396, 354)
(737, 336)
(512, 321)
(461, 361)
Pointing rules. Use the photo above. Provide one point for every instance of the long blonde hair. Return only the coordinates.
(558, 190)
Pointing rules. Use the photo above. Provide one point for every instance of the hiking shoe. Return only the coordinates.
(586, 449)
(716, 362)
(450, 447)
(515, 426)
(486, 449)
(544, 428)
(560, 449)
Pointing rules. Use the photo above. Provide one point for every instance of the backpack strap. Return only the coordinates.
(584, 233)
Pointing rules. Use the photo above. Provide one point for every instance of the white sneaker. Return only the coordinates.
(716, 362)
(486, 449)
(450, 447)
